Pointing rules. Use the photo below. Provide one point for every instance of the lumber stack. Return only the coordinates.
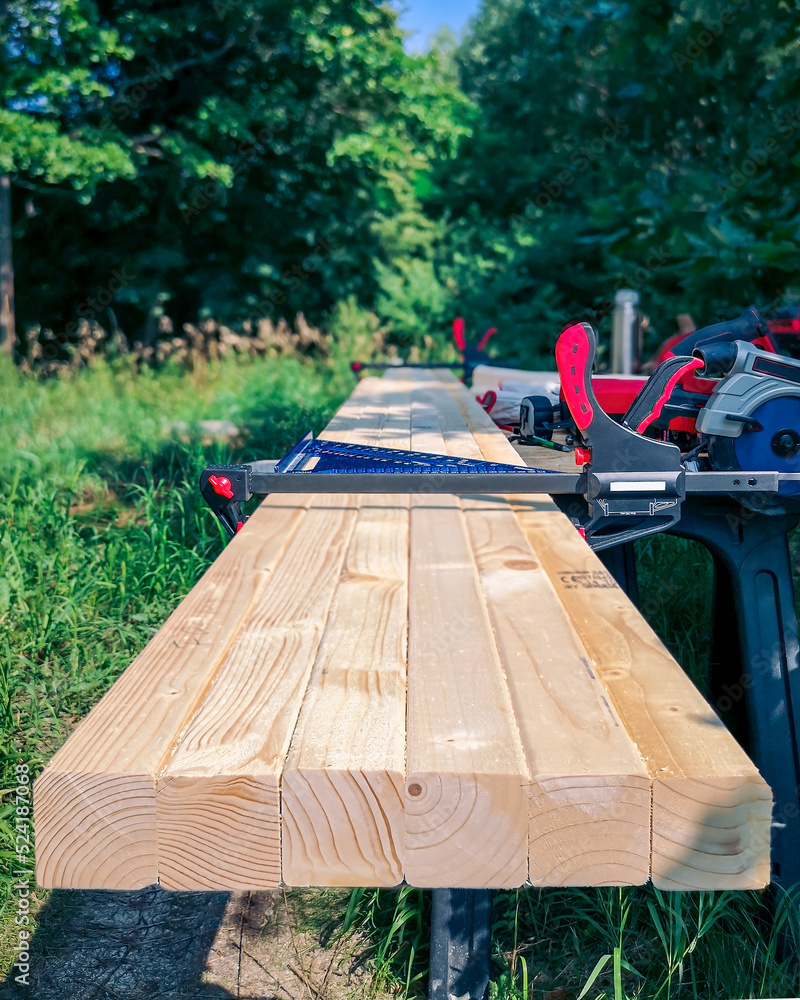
(361, 690)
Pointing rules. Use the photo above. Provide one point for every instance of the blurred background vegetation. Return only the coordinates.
(213, 206)
(244, 160)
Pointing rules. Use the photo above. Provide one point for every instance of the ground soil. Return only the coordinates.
(156, 944)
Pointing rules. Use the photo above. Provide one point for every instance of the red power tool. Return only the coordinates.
(666, 404)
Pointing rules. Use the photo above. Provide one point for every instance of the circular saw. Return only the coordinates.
(751, 421)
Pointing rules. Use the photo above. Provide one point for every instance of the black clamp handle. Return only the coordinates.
(622, 502)
(225, 488)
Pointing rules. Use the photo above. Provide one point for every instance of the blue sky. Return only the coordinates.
(423, 17)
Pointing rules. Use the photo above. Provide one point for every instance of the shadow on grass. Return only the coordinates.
(171, 467)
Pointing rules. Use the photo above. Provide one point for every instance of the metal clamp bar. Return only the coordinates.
(417, 482)
(737, 482)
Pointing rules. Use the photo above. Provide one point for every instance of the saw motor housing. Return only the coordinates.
(755, 377)
(752, 418)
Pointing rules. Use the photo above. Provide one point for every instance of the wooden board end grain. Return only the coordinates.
(95, 802)
(342, 787)
(95, 831)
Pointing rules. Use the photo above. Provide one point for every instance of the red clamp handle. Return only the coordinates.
(574, 357)
(486, 338)
(458, 334)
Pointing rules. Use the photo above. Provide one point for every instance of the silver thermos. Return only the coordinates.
(626, 333)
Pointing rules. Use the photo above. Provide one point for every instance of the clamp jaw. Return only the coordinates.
(225, 488)
(635, 485)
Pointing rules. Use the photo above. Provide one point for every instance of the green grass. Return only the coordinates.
(102, 533)
(602, 944)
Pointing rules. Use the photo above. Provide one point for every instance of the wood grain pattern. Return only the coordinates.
(529, 724)
(219, 796)
(342, 791)
(590, 791)
(711, 808)
(95, 802)
(465, 793)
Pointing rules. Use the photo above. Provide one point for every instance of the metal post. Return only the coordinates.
(626, 354)
(461, 931)
(626, 333)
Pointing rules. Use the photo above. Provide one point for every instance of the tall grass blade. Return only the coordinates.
(602, 963)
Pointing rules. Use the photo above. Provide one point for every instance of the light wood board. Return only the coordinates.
(368, 689)
(95, 814)
(342, 792)
(590, 790)
(466, 790)
(95, 802)
(711, 808)
(219, 796)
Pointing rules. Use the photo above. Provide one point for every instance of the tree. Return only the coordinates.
(275, 152)
(622, 144)
(47, 78)
(8, 334)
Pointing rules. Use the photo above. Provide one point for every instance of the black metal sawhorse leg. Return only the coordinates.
(461, 929)
(620, 561)
(755, 669)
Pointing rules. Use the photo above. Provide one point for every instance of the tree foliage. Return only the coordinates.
(653, 146)
(259, 157)
(252, 158)
(51, 76)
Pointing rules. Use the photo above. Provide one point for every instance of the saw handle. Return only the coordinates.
(649, 404)
(716, 359)
(749, 326)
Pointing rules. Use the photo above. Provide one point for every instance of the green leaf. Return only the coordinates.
(601, 964)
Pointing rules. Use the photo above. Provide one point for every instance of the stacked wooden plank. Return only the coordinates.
(366, 689)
